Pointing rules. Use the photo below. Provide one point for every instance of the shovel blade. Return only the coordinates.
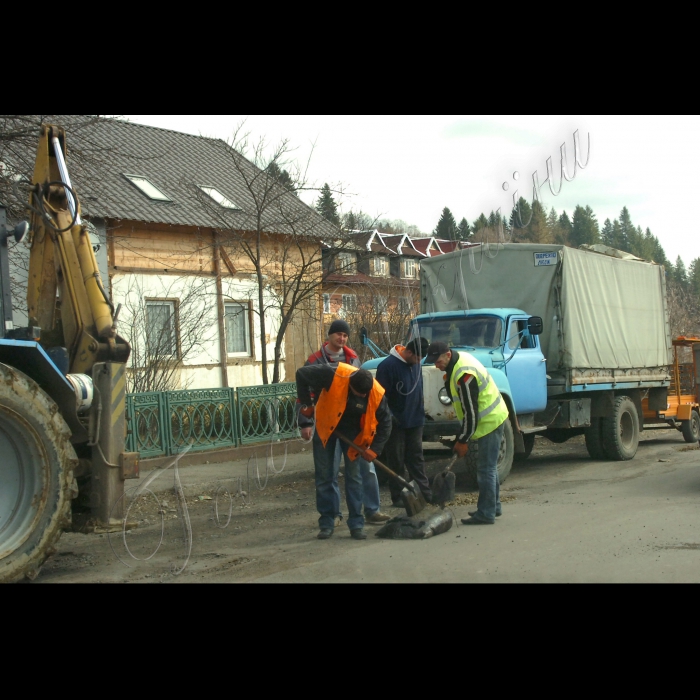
(444, 488)
(413, 502)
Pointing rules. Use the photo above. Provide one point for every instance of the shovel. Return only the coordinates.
(411, 496)
(444, 484)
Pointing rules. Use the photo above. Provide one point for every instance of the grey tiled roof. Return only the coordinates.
(175, 163)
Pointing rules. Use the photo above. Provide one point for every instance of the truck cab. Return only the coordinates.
(502, 339)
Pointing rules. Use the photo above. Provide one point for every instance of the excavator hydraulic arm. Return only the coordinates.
(65, 296)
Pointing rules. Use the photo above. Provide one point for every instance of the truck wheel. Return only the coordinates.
(36, 475)
(594, 440)
(529, 440)
(620, 431)
(691, 428)
(505, 458)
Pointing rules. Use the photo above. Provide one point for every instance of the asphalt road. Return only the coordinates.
(565, 518)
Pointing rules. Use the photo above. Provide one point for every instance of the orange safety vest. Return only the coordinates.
(331, 406)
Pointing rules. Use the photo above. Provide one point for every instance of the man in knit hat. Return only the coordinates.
(333, 351)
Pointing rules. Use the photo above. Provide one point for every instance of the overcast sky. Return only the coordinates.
(410, 167)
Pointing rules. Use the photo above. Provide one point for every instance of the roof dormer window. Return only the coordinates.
(148, 188)
(219, 198)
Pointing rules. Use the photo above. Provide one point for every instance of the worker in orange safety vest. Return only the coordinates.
(353, 403)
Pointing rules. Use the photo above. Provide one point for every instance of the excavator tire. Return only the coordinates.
(467, 477)
(36, 475)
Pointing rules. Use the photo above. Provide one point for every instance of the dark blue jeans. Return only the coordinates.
(489, 503)
(327, 491)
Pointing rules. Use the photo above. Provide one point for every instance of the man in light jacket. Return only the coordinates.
(479, 405)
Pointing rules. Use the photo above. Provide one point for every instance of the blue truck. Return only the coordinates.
(575, 339)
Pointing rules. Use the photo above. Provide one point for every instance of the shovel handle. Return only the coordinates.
(401, 480)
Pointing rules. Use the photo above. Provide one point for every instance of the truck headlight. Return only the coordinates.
(444, 398)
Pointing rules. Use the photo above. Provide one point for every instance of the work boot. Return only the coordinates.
(324, 533)
(474, 512)
(475, 521)
(358, 534)
(377, 518)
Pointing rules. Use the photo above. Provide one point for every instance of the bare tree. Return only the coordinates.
(167, 323)
(281, 239)
(683, 309)
(384, 307)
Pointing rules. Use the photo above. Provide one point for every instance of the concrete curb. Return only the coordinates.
(228, 454)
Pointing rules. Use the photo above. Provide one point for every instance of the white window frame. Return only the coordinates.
(221, 199)
(171, 304)
(405, 305)
(380, 305)
(409, 263)
(145, 186)
(326, 303)
(230, 304)
(347, 263)
(379, 266)
(349, 303)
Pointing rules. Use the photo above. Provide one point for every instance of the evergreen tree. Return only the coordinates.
(327, 207)
(635, 240)
(479, 227)
(606, 233)
(627, 229)
(282, 176)
(658, 254)
(679, 273)
(538, 230)
(520, 219)
(694, 277)
(584, 228)
(447, 226)
(617, 240)
(565, 228)
(463, 231)
(553, 227)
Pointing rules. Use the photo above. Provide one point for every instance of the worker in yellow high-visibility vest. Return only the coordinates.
(482, 410)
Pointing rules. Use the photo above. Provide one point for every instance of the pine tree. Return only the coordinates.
(447, 226)
(463, 231)
(694, 276)
(606, 233)
(327, 207)
(584, 228)
(565, 227)
(480, 226)
(679, 273)
(282, 176)
(635, 240)
(617, 240)
(520, 219)
(627, 229)
(538, 230)
(553, 227)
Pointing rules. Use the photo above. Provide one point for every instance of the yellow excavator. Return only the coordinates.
(62, 378)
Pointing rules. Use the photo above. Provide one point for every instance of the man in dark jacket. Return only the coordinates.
(333, 351)
(400, 375)
(352, 402)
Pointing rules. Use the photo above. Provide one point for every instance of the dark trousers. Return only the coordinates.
(404, 451)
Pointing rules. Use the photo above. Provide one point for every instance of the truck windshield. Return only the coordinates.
(474, 331)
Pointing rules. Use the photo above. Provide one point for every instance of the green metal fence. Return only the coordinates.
(267, 412)
(162, 423)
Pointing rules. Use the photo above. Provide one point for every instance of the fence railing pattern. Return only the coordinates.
(162, 423)
(266, 412)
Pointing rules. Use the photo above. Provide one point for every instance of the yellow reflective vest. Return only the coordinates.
(492, 409)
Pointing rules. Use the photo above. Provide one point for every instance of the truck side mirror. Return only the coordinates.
(534, 325)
